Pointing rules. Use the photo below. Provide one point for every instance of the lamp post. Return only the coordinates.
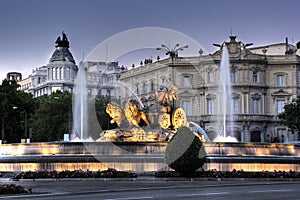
(172, 52)
(25, 123)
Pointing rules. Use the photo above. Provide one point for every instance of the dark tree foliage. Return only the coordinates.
(291, 115)
(48, 117)
(102, 116)
(14, 106)
(98, 119)
(53, 117)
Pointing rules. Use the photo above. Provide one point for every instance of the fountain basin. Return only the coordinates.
(144, 156)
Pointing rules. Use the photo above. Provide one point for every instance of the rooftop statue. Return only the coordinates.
(62, 42)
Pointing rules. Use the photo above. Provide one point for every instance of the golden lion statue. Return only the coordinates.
(115, 112)
(133, 114)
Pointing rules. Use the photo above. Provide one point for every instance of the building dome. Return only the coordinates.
(62, 52)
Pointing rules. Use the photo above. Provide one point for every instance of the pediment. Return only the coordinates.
(280, 93)
(185, 93)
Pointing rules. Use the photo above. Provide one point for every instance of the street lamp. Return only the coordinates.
(25, 123)
(172, 52)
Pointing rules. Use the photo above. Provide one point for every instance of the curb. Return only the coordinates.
(152, 178)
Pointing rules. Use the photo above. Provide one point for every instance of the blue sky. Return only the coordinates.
(29, 28)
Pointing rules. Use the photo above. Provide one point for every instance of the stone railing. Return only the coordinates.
(238, 117)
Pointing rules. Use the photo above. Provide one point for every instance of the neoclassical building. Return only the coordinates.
(262, 83)
(61, 71)
(58, 74)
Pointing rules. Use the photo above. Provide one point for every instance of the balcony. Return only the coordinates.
(237, 118)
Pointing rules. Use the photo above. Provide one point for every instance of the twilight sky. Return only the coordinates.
(29, 28)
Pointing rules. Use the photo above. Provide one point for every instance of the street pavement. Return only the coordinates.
(158, 189)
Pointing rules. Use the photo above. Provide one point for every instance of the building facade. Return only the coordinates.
(61, 71)
(102, 78)
(261, 84)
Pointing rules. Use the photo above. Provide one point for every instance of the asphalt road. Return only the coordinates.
(139, 190)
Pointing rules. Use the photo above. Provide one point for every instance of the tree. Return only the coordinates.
(102, 116)
(13, 121)
(53, 117)
(291, 116)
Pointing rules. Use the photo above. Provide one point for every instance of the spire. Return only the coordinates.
(62, 42)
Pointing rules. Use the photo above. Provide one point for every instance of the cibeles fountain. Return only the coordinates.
(139, 142)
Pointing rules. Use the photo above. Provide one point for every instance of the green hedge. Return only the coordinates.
(11, 189)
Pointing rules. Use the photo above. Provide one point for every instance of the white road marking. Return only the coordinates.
(22, 195)
(202, 194)
(262, 191)
(130, 198)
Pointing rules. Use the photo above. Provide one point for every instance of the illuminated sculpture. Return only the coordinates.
(133, 114)
(170, 118)
(115, 112)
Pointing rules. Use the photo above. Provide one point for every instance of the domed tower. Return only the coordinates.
(62, 68)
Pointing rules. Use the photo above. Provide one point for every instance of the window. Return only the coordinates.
(210, 106)
(280, 80)
(53, 74)
(281, 135)
(152, 86)
(187, 81)
(163, 81)
(233, 77)
(210, 77)
(126, 92)
(62, 73)
(108, 93)
(89, 93)
(234, 106)
(144, 88)
(279, 106)
(137, 88)
(186, 105)
(57, 73)
(255, 106)
(255, 77)
(67, 73)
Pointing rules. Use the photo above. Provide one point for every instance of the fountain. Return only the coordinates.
(224, 108)
(80, 106)
(138, 145)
